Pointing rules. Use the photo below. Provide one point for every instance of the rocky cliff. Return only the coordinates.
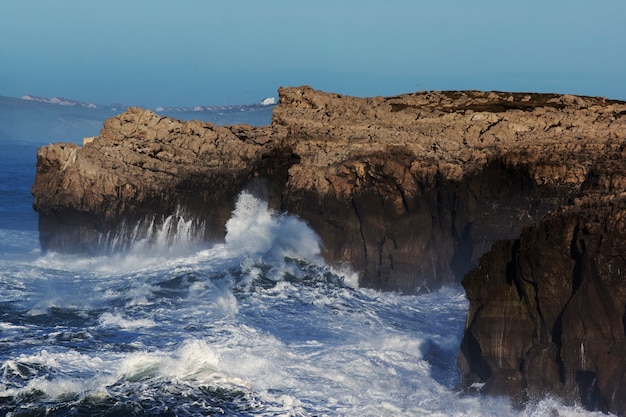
(547, 310)
(409, 190)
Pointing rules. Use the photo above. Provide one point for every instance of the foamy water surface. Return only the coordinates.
(257, 325)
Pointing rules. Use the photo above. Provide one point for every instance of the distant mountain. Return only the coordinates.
(60, 101)
(38, 119)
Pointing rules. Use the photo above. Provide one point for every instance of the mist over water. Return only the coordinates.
(258, 325)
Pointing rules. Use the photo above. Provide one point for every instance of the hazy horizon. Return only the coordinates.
(194, 52)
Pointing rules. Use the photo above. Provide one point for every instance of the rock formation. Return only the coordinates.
(547, 310)
(410, 191)
(146, 166)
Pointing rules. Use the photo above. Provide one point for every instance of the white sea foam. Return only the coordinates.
(259, 317)
(193, 361)
(255, 230)
(117, 320)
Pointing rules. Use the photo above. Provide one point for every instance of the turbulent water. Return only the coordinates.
(257, 325)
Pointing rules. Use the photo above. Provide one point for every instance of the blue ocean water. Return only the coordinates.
(257, 325)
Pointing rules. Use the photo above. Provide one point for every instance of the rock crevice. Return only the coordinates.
(548, 307)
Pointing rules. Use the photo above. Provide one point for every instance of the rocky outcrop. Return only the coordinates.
(143, 166)
(409, 190)
(413, 189)
(548, 310)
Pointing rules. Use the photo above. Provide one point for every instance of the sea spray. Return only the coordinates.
(154, 233)
(255, 229)
(256, 325)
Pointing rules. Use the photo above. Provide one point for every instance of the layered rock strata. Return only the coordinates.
(408, 190)
(548, 309)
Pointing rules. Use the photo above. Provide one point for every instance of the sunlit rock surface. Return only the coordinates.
(408, 190)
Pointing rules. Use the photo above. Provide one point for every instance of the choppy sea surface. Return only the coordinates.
(256, 325)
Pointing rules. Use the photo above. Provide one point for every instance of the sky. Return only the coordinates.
(205, 52)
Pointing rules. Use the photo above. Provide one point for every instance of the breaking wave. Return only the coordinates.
(256, 325)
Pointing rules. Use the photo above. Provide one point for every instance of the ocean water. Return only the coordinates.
(256, 325)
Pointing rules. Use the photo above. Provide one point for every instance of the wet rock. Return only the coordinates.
(550, 307)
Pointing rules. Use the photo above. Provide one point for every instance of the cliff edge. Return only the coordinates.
(409, 190)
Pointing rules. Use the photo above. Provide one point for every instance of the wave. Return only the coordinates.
(256, 325)
(255, 236)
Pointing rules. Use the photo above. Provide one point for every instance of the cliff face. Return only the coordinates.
(413, 189)
(409, 190)
(547, 310)
(143, 166)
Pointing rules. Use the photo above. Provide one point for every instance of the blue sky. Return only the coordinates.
(197, 52)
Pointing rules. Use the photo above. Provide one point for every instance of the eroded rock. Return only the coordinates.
(549, 307)
(408, 190)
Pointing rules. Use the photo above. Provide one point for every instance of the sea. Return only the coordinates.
(255, 325)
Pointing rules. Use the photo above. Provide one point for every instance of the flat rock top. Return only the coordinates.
(450, 133)
(389, 183)
(342, 144)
